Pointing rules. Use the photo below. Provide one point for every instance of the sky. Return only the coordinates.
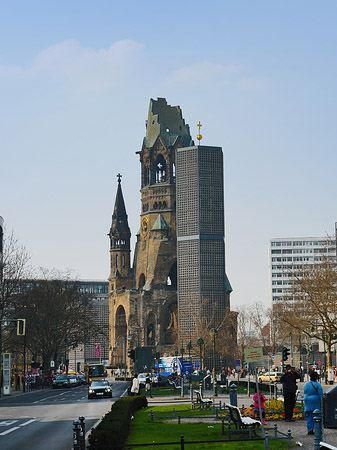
(76, 78)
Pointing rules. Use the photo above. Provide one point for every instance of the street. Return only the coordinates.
(43, 419)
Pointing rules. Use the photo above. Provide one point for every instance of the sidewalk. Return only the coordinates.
(298, 428)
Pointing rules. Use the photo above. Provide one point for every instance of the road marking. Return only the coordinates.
(27, 423)
(9, 431)
(6, 423)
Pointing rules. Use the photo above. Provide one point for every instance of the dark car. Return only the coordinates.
(61, 381)
(82, 379)
(99, 388)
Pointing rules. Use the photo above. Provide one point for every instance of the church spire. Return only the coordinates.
(120, 236)
(119, 213)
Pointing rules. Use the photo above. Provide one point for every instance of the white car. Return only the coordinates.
(270, 376)
(73, 380)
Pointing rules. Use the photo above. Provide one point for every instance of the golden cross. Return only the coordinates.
(199, 136)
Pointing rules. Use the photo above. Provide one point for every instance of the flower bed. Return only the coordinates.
(275, 410)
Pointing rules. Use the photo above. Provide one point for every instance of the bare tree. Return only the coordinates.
(312, 308)
(14, 268)
(58, 317)
(247, 334)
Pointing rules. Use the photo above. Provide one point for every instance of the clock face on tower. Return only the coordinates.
(144, 227)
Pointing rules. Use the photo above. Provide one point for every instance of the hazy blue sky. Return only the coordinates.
(76, 78)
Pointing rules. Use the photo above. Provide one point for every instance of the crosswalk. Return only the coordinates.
(19, 423)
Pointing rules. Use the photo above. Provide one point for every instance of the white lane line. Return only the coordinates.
(9, 431)
(27, 423)
(7, 423)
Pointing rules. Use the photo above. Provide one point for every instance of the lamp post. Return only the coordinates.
(189, 348)
(200, 342)
(182, 371)
(213, 332)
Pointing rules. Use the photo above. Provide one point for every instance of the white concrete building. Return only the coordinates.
(286, 255)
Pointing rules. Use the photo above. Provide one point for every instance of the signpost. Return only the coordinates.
(255, 355)
(7, 373)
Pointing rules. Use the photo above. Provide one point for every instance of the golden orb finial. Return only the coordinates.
(199, 136)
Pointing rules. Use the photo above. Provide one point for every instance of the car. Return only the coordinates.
(142, 378)
(273, 377)
(61, 381)
(73, 380)
(99, 388)
(82, 379)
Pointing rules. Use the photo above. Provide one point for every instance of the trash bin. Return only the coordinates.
(330, 407)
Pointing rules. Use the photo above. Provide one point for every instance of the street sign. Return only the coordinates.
(273, 357)
(52, 363)
(238, 363)
(253, 354)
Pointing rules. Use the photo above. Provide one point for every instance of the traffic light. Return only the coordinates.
(132, 354)
(285, 353)
(21, 327)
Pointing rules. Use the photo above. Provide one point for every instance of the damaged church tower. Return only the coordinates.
(143, 299)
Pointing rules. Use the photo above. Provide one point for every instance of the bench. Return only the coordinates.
(201, 400)
(241, 423)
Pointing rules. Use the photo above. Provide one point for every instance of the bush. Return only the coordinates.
(113, 430)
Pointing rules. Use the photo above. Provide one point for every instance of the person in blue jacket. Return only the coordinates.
(313, 393)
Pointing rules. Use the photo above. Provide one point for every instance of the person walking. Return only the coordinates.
(135, 385)
(313, 393)
(288, 379)
(148, 384)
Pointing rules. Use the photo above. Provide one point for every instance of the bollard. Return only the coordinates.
(82, 433)
(275, 430)
(151, 415)
(182, 446)
(179, 417)
(233, 398)
(289, 438)
(266, 440)
(317, 428)
(76, 435)
(174, 412)
(222, 427)
(191, 392)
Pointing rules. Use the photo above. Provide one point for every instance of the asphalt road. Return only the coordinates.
(43, 420)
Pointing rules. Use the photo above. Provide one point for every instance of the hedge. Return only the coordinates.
(113, 430)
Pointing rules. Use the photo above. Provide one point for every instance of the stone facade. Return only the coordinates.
(143, 299)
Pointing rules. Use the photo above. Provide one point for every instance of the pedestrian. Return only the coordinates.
(313, 392)
(135, 385)
(288, 379)
(148, 384)
(256, 409)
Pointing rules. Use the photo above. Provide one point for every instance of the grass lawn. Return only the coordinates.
(163, 430)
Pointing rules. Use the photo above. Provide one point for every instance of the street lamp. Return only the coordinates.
(213, 332)
(182, 371)
(189, 348)
(200, 342)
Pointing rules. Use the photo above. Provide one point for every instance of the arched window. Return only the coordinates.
(160, 169)
(141, 281)
(172, 276)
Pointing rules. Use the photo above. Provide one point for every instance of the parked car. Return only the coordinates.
(61, 381)
(99, 388)
(274, 377)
